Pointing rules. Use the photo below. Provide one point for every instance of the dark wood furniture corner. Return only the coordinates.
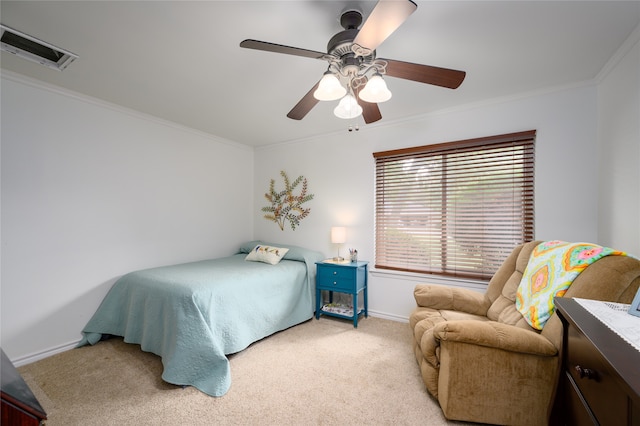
(599, 380)
(19, 406)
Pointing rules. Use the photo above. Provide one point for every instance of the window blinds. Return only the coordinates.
(456, 208)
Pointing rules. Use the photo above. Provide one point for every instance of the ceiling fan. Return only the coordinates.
(355, 74)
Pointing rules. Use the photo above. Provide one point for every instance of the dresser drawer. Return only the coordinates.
(574, 403)
(595, 380)
(333, 278)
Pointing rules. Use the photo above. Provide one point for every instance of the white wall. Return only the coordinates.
(340, 170)
(90, 192)
(619, 149)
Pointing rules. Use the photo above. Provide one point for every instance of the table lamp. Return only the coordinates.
(338, 236)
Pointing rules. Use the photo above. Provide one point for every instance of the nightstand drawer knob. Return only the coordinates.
(335, 283)
(586, 372)
(335, 272)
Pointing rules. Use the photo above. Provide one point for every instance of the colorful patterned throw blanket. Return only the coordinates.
(552, 267)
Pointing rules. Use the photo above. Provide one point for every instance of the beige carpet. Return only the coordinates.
(322, 372)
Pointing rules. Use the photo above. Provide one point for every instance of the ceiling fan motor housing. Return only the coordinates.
(340, 44)
(350, 19)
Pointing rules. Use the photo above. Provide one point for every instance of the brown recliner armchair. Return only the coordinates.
(480, 358)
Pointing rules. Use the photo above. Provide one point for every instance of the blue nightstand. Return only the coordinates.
(348, 278)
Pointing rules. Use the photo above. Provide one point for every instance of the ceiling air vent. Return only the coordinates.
(31, 48)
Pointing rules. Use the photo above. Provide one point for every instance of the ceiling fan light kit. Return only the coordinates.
(355, 74)
(329, 88)
(348, 108)
(375, 91)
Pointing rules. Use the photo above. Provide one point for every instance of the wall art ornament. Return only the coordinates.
(285, 205)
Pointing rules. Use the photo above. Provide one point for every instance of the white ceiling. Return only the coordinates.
(181, 60)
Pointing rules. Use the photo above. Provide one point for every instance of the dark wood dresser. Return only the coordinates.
(600, 373)
(19, 406)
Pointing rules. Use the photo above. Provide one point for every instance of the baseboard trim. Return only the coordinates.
(37, 356)
(387, 316)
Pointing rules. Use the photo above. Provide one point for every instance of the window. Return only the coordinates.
(457, 208)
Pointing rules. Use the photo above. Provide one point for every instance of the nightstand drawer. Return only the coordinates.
(336, 279)
(593, 378)
(332, 273)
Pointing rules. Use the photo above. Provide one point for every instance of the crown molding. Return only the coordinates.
(622, 51)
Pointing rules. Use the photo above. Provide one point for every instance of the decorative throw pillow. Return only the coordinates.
(266, 254)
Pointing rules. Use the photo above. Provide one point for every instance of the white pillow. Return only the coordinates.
(266, 254)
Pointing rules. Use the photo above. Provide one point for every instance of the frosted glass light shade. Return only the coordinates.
(338, 234)
(329, 88)
(375, 91)
(348, 108)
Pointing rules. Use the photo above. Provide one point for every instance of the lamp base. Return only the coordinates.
(338, 259)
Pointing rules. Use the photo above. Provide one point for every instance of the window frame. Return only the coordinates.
(521, 147)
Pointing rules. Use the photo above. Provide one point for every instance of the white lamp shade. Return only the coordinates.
(329, 88)
(348, 108)
(375, 91)
(338, 234)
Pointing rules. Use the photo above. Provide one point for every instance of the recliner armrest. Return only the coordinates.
(458, 299)
(495, 335)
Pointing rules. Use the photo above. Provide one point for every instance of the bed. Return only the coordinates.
(193, 315)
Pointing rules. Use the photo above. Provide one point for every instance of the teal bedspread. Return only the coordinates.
(192, 315)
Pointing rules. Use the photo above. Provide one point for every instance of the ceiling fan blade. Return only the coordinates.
(279, 48)
(384, 19)
(370, 111)
(443, 77)
(305, 105)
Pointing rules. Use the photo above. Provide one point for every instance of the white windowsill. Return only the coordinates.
(430, 278)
